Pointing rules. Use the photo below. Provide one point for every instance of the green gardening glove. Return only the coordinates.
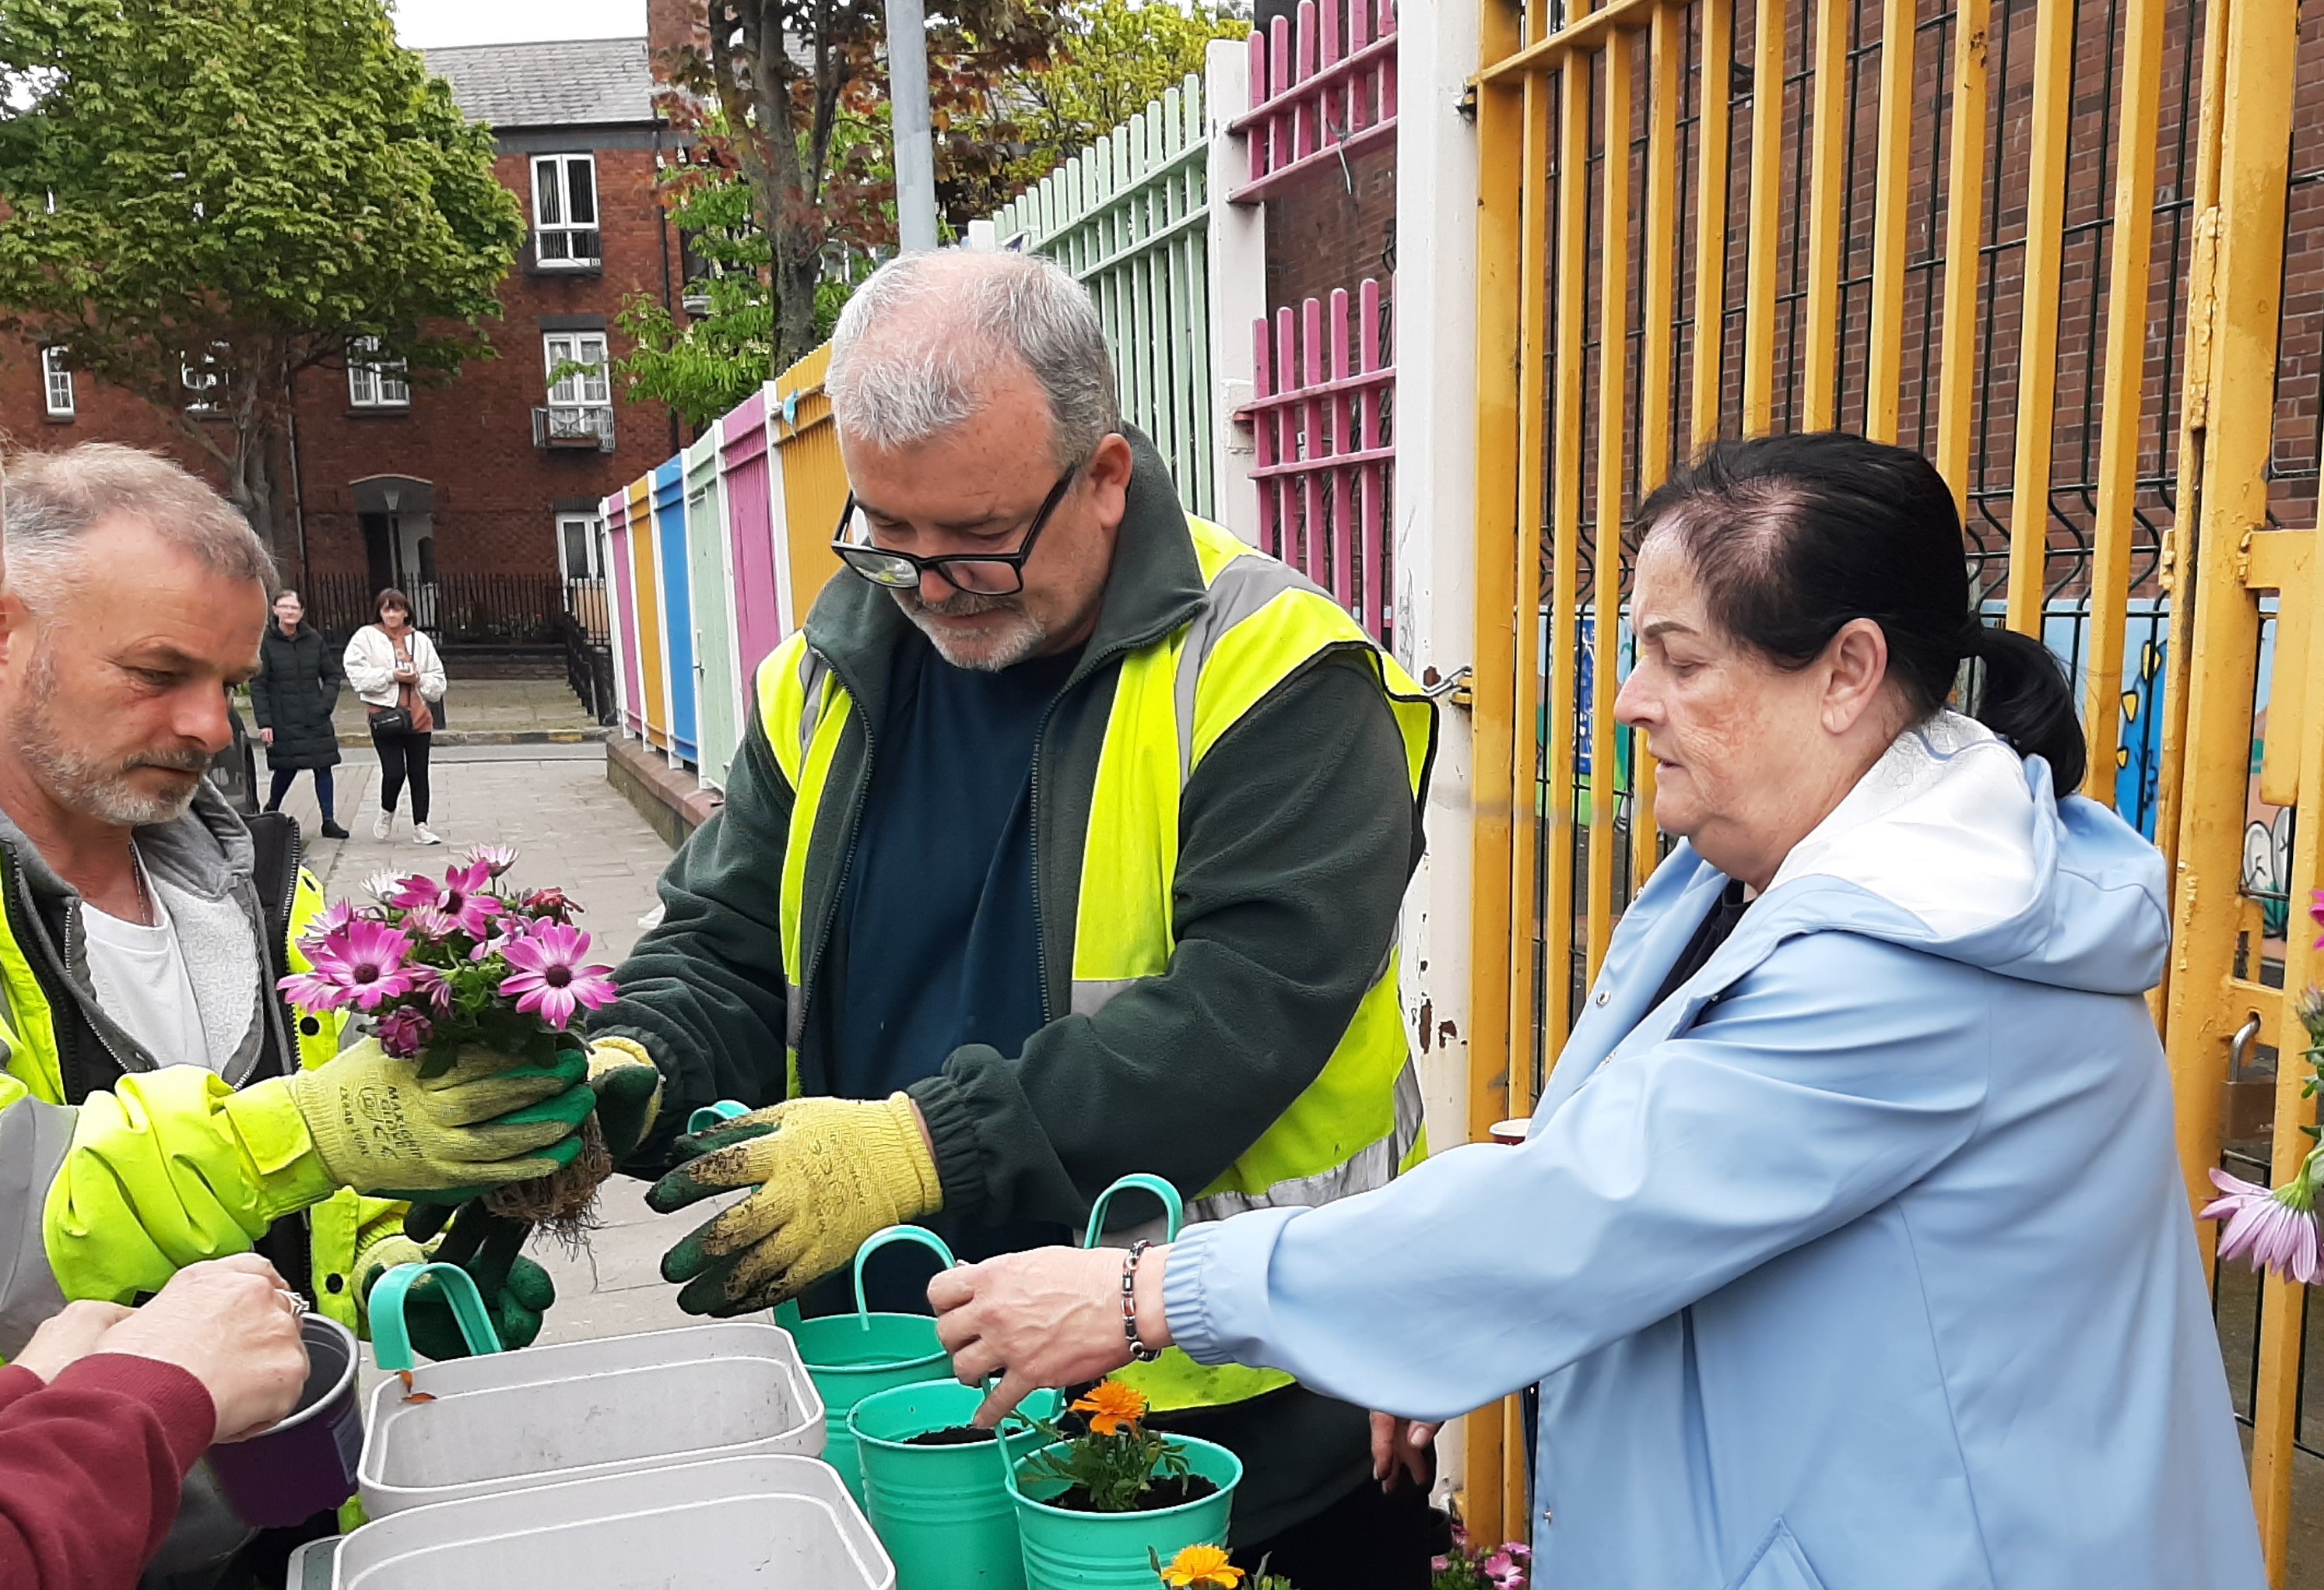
(383, 1129)
(628, 1085)
(515, 1306)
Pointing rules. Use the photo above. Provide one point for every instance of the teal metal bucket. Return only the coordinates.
(1073, 1550)
(851, 1356)
(942, 1513)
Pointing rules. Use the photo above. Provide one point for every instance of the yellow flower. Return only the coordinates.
(1109, 1406)
(1201, 1567)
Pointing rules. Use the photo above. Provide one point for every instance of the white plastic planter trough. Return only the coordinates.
(737, 1523)
(508, 1421)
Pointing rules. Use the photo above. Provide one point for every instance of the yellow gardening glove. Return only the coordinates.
(380, 1128)
(829, 1172)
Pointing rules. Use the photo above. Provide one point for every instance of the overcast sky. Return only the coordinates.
(425, 24)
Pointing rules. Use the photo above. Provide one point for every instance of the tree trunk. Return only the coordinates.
(253, 479)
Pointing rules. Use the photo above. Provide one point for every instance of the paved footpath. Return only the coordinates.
(571, 829)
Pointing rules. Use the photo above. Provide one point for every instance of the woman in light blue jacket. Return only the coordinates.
(1847, 1246)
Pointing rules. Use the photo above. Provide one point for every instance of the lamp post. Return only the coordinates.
(908, 101)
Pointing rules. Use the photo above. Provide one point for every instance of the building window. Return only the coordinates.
(204, 382)
(565, 210)
(580, 411)
(57, 381)
(577, 556)
(373, 383)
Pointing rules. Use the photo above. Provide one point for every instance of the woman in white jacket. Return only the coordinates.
(396, 673)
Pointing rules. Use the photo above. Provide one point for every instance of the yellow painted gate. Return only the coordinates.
(2074, 253)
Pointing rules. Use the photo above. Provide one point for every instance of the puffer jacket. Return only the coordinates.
(293, 692)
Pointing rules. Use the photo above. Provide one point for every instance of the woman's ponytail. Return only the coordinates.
(2023, 696)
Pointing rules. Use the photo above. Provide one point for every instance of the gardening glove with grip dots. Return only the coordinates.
(515, 1303)
(829, 1173)
(628, 1085)
(381, 1128)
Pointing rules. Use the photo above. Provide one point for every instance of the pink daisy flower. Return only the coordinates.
(361, 965)
(550, 981)
(495, 859)
(431, 923)
(326, 922)
(462, 896)
(2315, 913)
(2273, 1229)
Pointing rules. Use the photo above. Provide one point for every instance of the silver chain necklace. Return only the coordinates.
(147, 916)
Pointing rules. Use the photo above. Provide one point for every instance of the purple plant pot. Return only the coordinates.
(306, 1462)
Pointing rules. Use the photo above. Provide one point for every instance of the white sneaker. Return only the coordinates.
(382, 824)
(422, 835)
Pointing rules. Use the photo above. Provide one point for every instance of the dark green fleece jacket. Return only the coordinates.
(1298, 832)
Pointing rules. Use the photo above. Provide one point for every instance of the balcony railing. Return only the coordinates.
(573, 425)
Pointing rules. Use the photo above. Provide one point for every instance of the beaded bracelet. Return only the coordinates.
(1138, 1349)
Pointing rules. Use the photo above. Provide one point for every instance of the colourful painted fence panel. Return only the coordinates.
(677, 610)
(1323, 92)
(624, 626)
(652, 716)
(762, 578)
(1325, 446)
(812, 480)
(1130, 218)
(710, 569)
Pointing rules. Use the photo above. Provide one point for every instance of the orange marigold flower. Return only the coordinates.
(1109, 1406)
(1201, 1567)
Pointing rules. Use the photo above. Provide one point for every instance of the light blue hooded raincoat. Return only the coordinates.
(1860, 1263)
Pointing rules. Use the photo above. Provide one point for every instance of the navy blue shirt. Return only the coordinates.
(935, 943)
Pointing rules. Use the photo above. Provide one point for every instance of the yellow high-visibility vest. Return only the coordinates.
(1359, 1124)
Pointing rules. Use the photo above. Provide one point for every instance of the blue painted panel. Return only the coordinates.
(677, 619)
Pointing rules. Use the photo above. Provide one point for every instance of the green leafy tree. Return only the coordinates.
(1112, 58)
(793, 86)
(229, 192)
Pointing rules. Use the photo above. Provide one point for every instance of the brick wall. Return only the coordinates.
(1332, 230)
(495, 497)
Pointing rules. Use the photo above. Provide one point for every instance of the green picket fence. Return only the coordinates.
(1130, 218)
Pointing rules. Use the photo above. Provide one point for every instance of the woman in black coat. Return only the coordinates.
(291, 697)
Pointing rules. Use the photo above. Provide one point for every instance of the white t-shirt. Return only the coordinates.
(141, 982)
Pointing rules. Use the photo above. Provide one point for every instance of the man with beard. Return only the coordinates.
(160, 1103)
(1067, 841)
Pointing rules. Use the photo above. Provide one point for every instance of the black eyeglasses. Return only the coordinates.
(983, 573)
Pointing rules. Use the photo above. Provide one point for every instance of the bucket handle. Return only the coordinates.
(711, 1117)
(1174, 1209)
(390, 1338)
(881, 1239)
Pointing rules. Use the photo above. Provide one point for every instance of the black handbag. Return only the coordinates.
(391, 720)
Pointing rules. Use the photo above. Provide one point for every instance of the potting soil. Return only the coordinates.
(959, 1435)
(1174, 1492)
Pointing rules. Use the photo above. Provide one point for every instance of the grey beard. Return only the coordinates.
(1006, 650)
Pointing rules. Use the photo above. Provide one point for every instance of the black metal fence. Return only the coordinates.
(505, 609)
(589, 667)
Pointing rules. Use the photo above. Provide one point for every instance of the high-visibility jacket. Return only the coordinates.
(107, 1194)
(1359, 1122)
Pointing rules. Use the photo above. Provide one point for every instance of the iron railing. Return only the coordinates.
(505, 609)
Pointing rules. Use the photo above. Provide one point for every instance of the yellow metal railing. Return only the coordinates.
(1908, 219)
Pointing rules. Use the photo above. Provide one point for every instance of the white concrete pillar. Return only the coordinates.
(1238, 283)
(1435, 532)
(1436, 511)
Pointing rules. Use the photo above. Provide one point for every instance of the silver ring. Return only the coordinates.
(298, 1305)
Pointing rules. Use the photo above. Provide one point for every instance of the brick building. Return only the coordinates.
(480, 494)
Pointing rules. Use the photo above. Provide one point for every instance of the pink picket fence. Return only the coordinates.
(1323, 425)
(1321, 92)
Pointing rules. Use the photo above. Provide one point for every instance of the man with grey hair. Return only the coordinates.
(1067, 841)
(161, 1103)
